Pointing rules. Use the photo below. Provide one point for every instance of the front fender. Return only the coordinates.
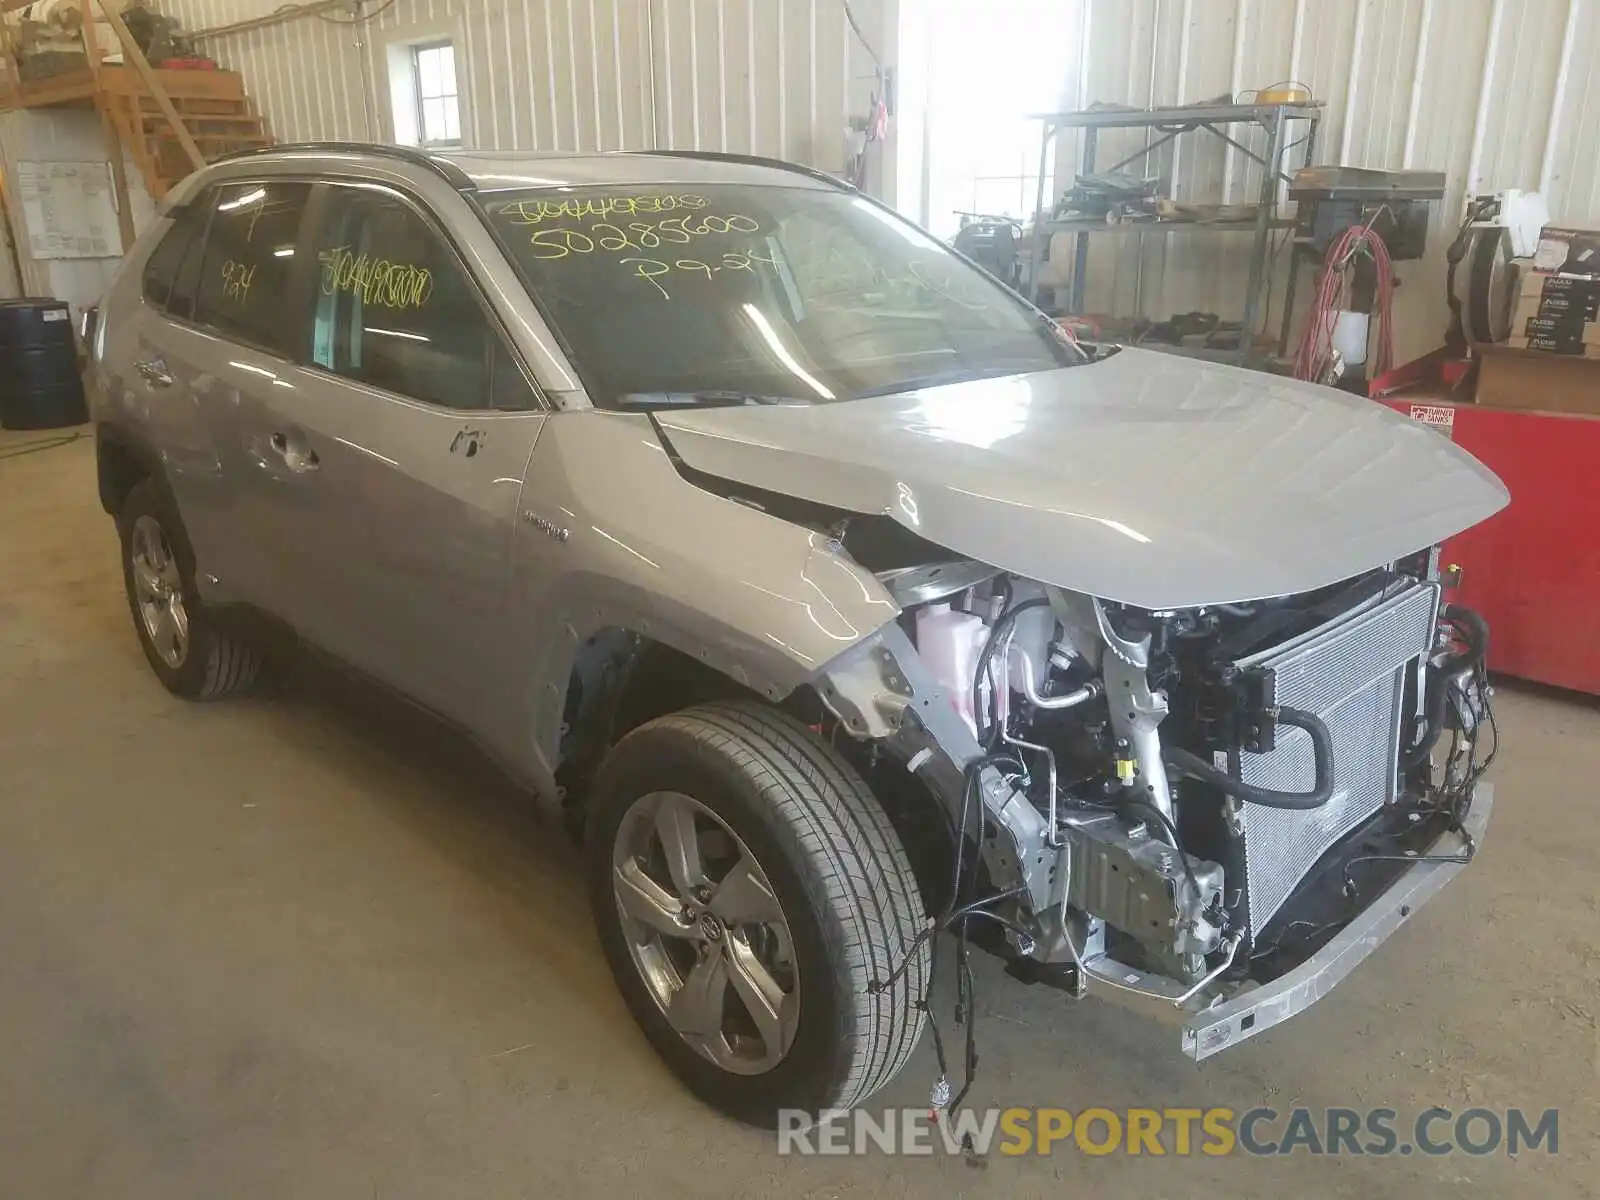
(615, 537)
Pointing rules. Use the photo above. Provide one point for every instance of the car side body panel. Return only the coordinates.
(613, 536)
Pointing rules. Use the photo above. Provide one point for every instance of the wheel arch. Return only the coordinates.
(122, 460)
(619, 679)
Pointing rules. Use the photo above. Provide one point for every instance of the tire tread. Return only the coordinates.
(230, 664)
(863, 880)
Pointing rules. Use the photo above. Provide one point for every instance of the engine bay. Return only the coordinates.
(1220, 785)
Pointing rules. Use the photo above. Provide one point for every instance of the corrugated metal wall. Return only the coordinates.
(1497, 93)
(774, 77)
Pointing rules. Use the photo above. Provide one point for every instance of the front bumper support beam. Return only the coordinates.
(1226, 1014)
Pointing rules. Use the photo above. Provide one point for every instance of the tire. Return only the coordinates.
(212, 664)
(841, 881)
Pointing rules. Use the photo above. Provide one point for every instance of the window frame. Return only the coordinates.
(317, 211)
(417, 49)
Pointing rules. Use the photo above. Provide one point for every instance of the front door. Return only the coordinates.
(410, 424)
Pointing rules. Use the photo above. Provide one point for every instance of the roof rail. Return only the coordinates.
(444, 168)
(755, 160)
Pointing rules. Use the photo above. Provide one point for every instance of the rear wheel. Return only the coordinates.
(752, 899)
(188, 654)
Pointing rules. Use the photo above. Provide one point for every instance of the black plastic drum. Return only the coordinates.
(40, 387)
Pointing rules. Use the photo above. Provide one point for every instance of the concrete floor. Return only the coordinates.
(309, 945)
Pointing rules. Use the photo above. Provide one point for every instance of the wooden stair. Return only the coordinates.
(212, 105)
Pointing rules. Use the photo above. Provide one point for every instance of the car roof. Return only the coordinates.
(499, 170)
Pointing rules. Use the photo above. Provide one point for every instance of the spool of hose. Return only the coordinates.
(1491, 287)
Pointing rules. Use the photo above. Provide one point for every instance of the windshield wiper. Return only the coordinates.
(705, 399)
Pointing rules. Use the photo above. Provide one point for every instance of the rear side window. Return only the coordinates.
(249, 257)
(396, 309)
(166, 262)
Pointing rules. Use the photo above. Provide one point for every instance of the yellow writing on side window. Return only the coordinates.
(236, 279)
(377, 281)
(534, 212)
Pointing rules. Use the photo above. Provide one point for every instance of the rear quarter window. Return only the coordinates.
(162, 269)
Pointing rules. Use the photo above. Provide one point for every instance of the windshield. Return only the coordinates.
(737, 294)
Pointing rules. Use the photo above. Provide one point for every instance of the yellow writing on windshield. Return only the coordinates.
(636, 235)
(651, 270)
(535, 212)
(376, 281)
(236, 279)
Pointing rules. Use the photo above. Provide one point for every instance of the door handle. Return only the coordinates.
(295, 456)
(154, 371)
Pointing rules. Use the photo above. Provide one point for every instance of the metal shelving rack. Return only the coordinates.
(1174, 122)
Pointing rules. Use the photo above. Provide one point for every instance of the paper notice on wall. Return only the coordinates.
(69, 209)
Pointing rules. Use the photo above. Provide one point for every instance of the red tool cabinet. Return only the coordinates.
(1532, 569)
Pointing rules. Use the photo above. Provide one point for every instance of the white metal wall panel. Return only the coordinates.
(1497, 93)
(773, 77)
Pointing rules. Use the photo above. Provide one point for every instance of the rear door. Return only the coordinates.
(239, 338)
(211, 340)
(166, 379)
(408, 426)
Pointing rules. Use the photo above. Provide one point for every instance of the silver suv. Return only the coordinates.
(837, 595)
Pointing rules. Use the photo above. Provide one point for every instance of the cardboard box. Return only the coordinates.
(1569, 250)
(1573, 347)
(1542, 322)
(1546, 283)
(1540, 295)
(1568, 326)
(1510, 377)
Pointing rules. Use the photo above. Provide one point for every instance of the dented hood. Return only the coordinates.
(1145, 478)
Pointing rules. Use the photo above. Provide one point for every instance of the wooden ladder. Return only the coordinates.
(212, 105)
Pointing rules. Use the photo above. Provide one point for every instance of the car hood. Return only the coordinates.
(1145, 478)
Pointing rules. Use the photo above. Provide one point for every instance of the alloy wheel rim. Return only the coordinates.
(706, 932)
(158, 591)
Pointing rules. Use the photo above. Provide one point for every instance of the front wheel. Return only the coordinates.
(752, 898)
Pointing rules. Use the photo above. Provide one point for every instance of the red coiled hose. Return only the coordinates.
(1311, 360)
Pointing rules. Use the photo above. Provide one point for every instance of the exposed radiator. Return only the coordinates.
(1350, 672)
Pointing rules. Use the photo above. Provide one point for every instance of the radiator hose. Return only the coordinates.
(1195, 767)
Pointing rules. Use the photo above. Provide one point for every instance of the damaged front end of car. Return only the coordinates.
(1214, 813)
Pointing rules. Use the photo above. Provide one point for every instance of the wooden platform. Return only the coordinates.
(212, 105)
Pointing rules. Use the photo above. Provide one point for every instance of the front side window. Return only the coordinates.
(248, 261)
(396, 309)
(669, 295)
